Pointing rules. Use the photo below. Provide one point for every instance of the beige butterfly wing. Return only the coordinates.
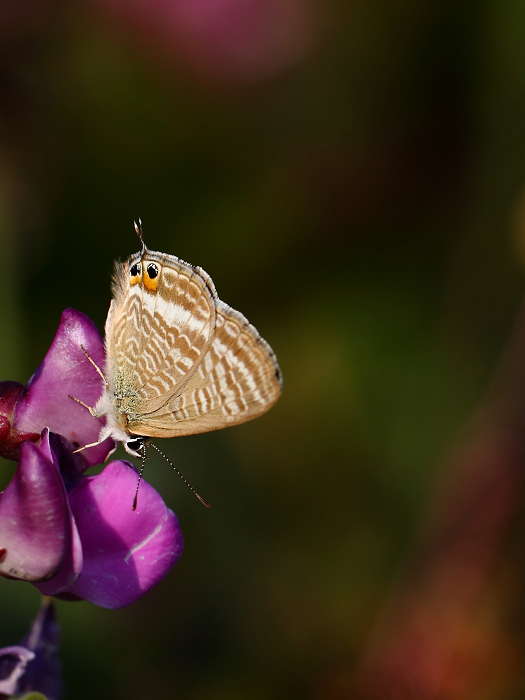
(179, 360)
(157, 331)
(237, 379)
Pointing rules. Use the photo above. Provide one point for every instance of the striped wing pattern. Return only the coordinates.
(179, 360)
(237, 380)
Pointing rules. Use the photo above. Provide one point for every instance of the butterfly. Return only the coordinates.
(179, 361)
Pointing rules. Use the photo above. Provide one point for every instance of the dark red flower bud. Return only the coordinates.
(10, 437)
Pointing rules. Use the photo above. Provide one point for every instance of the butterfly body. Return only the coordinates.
(179, 361)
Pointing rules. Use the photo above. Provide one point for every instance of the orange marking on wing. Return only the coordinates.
(151, 284)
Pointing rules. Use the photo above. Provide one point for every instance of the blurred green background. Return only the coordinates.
(352, 176)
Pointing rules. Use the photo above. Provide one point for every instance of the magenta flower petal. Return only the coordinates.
(34, 519)
(71, 566)
(65, 372)
(126, 552)
(52, 446)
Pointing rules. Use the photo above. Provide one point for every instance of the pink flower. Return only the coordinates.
(72, 535)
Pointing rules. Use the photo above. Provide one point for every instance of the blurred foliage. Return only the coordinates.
(364, 206)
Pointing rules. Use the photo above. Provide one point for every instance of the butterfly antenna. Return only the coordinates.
(138, 231)
(140, 477)
(201, 499)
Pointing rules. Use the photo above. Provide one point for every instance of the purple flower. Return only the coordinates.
(76, 536)
(33, 665)
(13, 663)
(45, 401)
(84, 541)
(34, 518)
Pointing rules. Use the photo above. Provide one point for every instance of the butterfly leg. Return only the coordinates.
(91, 444)
(101, 373)
(89, 408)
(104, 434)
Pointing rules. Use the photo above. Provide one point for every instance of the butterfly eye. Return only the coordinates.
(135, 444)
(135, 270)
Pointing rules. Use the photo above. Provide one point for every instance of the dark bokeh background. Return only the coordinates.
(352, 176)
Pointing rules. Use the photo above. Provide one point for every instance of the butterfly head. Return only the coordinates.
(135, 445)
